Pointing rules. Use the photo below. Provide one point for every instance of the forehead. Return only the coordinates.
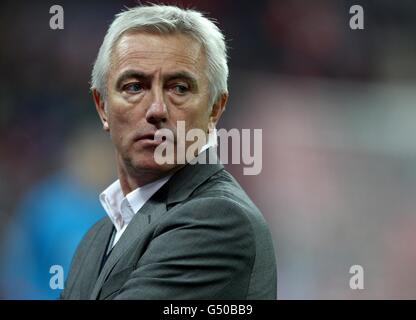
(150, 52)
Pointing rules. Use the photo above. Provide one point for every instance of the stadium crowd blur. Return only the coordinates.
(337, 109)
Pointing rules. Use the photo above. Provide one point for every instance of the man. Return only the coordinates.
(175, 231)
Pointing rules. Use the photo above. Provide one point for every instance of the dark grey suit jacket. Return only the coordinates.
(198, 237)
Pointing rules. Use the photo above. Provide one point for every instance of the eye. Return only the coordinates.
(180, 89)
(133, 87)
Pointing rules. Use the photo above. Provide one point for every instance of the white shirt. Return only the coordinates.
(121, 209)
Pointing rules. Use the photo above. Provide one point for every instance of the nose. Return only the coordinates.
(157, 111)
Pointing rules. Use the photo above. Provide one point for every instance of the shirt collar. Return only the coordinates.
(122, 209)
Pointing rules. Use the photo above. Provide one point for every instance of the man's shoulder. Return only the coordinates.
(220, 183)
(222, 193)
(223, 187)
(222, 190)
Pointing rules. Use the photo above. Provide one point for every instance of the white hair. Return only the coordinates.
(166, 19)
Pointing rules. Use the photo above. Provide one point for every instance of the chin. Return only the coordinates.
(142, 164)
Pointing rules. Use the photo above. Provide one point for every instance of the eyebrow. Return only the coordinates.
(182, 75)
(167, 77)
(129, 74)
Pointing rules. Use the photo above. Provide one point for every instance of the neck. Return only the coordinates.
(131, 178)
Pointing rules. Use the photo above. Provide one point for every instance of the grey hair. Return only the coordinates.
(165, 19)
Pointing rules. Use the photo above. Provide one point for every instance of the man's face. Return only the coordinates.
(153, 82)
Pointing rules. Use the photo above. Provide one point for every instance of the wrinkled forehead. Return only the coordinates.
(150, 50)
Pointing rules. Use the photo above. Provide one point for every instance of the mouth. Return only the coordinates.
(147, 136)
(150, 139)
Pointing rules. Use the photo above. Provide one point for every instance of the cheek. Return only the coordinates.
(201, 118)
(195, 114)
(120, 112)
(119, 123)
(193, 119)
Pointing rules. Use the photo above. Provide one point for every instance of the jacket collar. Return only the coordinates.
(187, 179)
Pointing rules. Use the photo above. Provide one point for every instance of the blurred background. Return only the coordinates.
(337, 109)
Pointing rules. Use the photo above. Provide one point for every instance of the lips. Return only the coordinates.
(153, 137)
(146, 136)
(147, 140)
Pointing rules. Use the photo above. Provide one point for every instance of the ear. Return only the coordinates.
(100, 106)
(218, 108)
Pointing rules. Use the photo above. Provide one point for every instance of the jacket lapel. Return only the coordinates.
(98, 250)
(144, 218)
(80, 284)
